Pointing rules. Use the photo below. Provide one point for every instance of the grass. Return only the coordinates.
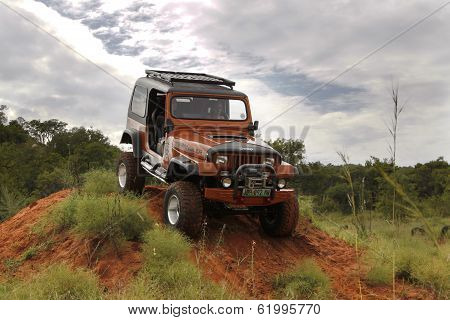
(306, 281)
(57, 282)
(62, 215)
(96, 211)
(12, 264)
(99, 182)
(168, 273)
(104, 218)
(97, 215)
(418, 260)
(116, 218)
(306, 205)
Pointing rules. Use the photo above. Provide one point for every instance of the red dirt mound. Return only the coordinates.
(17, 236)
(234, 249)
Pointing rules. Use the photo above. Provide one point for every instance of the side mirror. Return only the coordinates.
(253, 126)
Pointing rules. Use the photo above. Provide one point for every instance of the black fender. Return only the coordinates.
(181, 167)
(131, 136)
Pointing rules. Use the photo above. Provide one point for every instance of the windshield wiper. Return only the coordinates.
(228, 137)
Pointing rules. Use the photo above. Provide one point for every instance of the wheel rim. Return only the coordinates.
(122, 174)
(173, 210)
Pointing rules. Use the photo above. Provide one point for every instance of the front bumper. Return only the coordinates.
(228, 196)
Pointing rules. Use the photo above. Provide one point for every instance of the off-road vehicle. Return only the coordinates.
(195, 133)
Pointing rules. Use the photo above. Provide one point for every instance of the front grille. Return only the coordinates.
(238, 159)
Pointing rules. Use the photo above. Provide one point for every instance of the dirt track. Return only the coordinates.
(224, 254)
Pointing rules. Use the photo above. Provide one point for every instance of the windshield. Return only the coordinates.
(208, 108)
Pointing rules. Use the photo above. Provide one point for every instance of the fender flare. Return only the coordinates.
(189, 167)
(131, 136)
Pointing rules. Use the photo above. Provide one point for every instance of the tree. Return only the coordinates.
(292, 150)
(44, 131)
(66, 142)
(3, 117)
(13, 133)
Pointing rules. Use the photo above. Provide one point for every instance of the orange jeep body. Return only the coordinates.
(171, 147)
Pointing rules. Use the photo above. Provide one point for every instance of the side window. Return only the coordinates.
(139, 101)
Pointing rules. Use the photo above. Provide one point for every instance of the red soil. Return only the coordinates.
(233, 251)
(225, 255)
(16, 236)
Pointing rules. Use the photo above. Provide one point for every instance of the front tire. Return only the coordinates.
(127, 174)
(281, 219)
(183, 207)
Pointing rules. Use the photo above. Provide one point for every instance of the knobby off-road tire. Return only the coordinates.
(127, 174)
(281, 219)
(183, 208)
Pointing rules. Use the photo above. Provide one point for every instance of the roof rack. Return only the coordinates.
(171, 77)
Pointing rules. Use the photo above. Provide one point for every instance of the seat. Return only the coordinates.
(158, 128)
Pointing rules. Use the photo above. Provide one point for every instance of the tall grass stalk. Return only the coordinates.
(393, 130)
(252, 265)
(411, 207)
(360, 227)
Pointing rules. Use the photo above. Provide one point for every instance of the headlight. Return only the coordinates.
(269, 161)
(226, 182)
(221, 159)
(281, 183)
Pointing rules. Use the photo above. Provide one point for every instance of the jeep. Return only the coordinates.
(194, 132)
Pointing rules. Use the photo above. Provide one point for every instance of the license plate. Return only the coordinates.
(256, 192)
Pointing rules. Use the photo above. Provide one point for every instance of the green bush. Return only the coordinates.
(112, 218)
(379, 275)
(49, 182)
(306, 281)
(57, 282)
(168, 274)
(63, 214)
(99, 182)
(115, 218)
(10, 202)
(164, 245)
(417, 261)
(306, 205)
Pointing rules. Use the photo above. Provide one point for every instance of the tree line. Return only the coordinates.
(38, 158)
(427, 184)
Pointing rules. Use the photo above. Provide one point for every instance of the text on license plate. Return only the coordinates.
(256, 192)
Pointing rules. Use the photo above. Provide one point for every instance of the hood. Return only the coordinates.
(206, 144)
(250, 147)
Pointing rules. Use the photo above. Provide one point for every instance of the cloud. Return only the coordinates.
(277, 54)
(39, 78)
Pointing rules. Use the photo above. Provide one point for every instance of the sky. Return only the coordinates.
(277, 52)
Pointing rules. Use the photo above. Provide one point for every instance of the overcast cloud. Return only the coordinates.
(276, 51)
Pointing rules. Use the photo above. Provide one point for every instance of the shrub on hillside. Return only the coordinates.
(167, 272)
(57, 282)
(379, 274)
(416, 261)
(10, 202)
(63, 214)
(49, 182)
(99, 182)
(306, 281)
(114, 218)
